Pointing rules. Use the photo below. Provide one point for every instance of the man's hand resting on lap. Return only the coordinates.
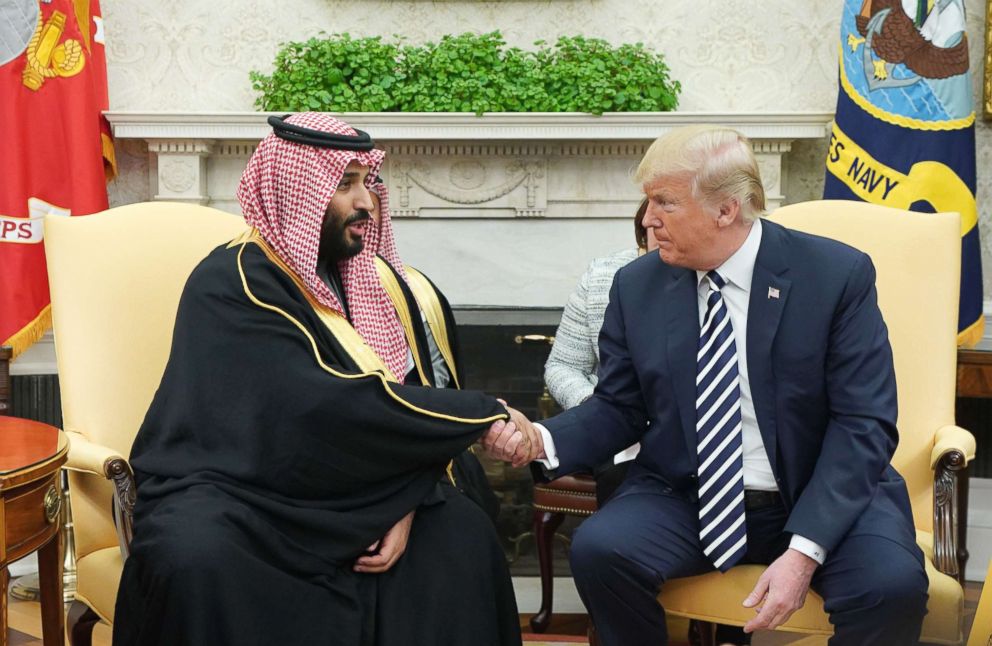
(780, 591)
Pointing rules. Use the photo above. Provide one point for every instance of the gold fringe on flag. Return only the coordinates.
(109, 157)
(26, 336)
(970, 336)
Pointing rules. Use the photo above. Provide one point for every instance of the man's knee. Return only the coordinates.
(893, 588)
(901, 589)
(188, 550)
(590, 551)
(599, 555)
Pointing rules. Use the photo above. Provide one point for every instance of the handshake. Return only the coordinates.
(517, 441)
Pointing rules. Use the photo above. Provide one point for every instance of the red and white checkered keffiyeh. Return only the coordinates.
(284, 193)
(380, 239)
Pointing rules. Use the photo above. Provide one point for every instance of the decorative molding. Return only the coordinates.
(770, 167)
(432, 149)
(182, 169)
(467, 175)
(564, 149)
(177, 175)
(179, 146)
(510, 126)
(235, 149)
(465, 195)
(619, 149)
(492, 185)
(462, 148)
(775, 147)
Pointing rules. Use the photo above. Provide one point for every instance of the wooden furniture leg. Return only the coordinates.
(4, 584)
(963, 523)
(80, 623)
(702, 633)
(591, 634)
(50, 579)
(545, 525)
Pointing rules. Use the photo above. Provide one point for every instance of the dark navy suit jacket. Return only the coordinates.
(821, 376)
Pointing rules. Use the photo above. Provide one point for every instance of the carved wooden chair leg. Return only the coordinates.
(79, 624)
(545, 525)
(591, 634)
(964, 477)
(702, 633)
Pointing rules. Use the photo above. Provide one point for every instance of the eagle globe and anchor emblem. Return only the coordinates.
(914, 58)
(905, 63)
(47, 54)
(24, 30)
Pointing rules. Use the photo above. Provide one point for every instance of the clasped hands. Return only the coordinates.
(517, 441)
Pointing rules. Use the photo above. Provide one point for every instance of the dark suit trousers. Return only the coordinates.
(874, 589)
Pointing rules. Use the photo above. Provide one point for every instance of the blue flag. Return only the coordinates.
(904, 132)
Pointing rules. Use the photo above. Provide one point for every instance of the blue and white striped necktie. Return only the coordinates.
(718, 434)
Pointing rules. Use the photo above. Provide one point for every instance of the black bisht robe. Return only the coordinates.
(264, 470)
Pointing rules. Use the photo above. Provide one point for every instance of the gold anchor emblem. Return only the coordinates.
(47, 58)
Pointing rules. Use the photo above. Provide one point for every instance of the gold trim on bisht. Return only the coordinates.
(429, 302)
(392, 286)
(352, 342)
(341, 329)
(395, 292)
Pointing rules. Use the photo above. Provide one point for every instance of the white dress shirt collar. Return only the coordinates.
(738, 269)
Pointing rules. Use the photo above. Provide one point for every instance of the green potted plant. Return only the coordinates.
(475, 73)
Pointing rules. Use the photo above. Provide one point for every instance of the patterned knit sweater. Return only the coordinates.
(570, 372)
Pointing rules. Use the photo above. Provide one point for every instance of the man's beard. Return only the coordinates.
(335, 244)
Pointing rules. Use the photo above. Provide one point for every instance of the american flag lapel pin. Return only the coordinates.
(773, 292)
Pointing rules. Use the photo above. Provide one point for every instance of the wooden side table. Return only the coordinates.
(31, 454)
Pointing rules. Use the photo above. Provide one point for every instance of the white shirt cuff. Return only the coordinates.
(809, 548)
(550, 459)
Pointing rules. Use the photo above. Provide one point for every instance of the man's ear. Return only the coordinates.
(730, 212)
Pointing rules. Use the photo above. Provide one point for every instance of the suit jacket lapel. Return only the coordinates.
(769, 293)
(683, 338)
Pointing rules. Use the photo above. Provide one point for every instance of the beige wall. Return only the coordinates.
(730, 55)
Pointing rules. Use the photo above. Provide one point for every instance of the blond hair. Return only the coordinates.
(719, 161)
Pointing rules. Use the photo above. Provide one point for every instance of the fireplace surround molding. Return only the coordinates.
(463, 165)
(518, 202)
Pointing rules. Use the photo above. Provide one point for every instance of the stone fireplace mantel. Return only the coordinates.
(518, 203)
(505, 126)
(183, 142)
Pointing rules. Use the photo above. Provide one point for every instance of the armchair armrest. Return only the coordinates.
(89, 457)
(952, 438)
(953, 449)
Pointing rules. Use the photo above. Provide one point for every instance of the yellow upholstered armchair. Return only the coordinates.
(115, 279)
(917, 257)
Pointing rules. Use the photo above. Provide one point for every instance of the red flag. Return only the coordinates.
(56, 154)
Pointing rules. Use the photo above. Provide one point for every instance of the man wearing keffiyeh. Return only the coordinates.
(300, 480)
